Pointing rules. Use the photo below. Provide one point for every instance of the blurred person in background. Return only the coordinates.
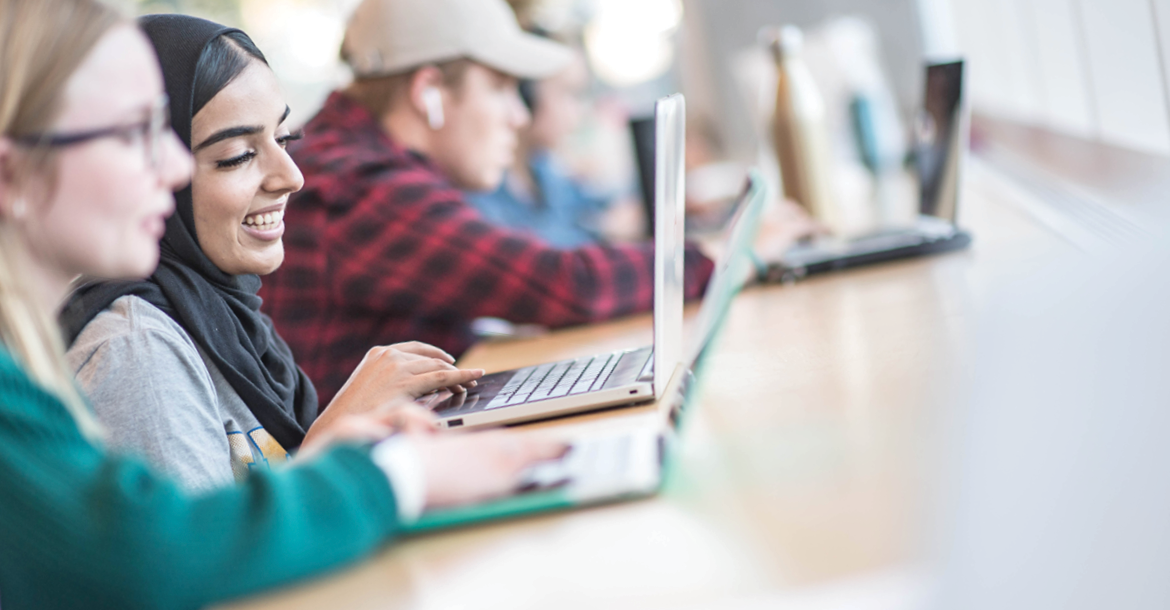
(87, 170)
(382, 245)
(182, 367)
(541, 195)
(538, 194)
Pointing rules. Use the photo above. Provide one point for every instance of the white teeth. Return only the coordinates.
(265, 221)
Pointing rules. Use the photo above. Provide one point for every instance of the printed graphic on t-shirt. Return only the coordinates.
(255, 449)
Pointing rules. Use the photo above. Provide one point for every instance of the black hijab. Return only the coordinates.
(220, 312)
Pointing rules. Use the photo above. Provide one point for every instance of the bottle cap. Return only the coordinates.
(786, 41)
(791, 40)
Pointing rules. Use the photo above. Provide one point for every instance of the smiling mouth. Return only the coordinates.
(264, 222)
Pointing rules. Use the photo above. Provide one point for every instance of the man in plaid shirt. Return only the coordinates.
(380, 246)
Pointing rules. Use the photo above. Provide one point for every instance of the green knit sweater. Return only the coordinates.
(82, 528)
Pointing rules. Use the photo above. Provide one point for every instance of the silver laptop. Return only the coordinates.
(604, 380)
(940, 154)
(609, 466)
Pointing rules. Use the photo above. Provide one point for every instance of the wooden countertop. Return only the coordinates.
(804, 459)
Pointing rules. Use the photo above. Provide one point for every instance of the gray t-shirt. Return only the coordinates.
(160, 397)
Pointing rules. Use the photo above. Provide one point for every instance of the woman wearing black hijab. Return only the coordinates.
(182, 367)
(84, 192)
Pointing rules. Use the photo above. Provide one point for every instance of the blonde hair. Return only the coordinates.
(42, 43)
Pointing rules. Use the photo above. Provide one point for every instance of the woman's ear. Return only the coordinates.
(15, 181)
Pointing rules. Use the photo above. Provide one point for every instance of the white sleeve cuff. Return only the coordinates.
(403, 467)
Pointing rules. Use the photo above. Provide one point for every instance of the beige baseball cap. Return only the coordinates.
(391, 36)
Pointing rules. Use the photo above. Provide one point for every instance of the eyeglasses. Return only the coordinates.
(147, 134)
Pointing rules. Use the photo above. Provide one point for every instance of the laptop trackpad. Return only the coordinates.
(631, 368)
(485, 390)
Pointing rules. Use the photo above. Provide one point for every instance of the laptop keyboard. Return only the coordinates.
(555, 380)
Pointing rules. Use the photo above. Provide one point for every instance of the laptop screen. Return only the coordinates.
(941, 140)
(733, 266)
(669, 217)
(642, 130)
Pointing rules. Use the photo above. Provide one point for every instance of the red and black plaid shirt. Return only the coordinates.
(381, 248)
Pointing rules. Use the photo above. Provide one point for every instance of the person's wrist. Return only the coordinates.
(403, 467)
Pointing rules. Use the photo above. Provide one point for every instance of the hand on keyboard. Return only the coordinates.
(464, 468)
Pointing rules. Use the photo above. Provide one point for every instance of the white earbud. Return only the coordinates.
(433, 101)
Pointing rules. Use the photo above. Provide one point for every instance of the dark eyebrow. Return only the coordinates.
(227, 134)
(236, 132)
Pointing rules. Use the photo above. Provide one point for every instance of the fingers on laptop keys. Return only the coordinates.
(424, 368)
(431, 375)
(460, 381)
(463, 468)
(387, 373)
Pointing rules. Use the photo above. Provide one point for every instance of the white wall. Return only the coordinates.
(1126, 74)
(1091, 68)
(1062, 68)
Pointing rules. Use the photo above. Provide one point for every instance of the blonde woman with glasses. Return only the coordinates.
(87, 169)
